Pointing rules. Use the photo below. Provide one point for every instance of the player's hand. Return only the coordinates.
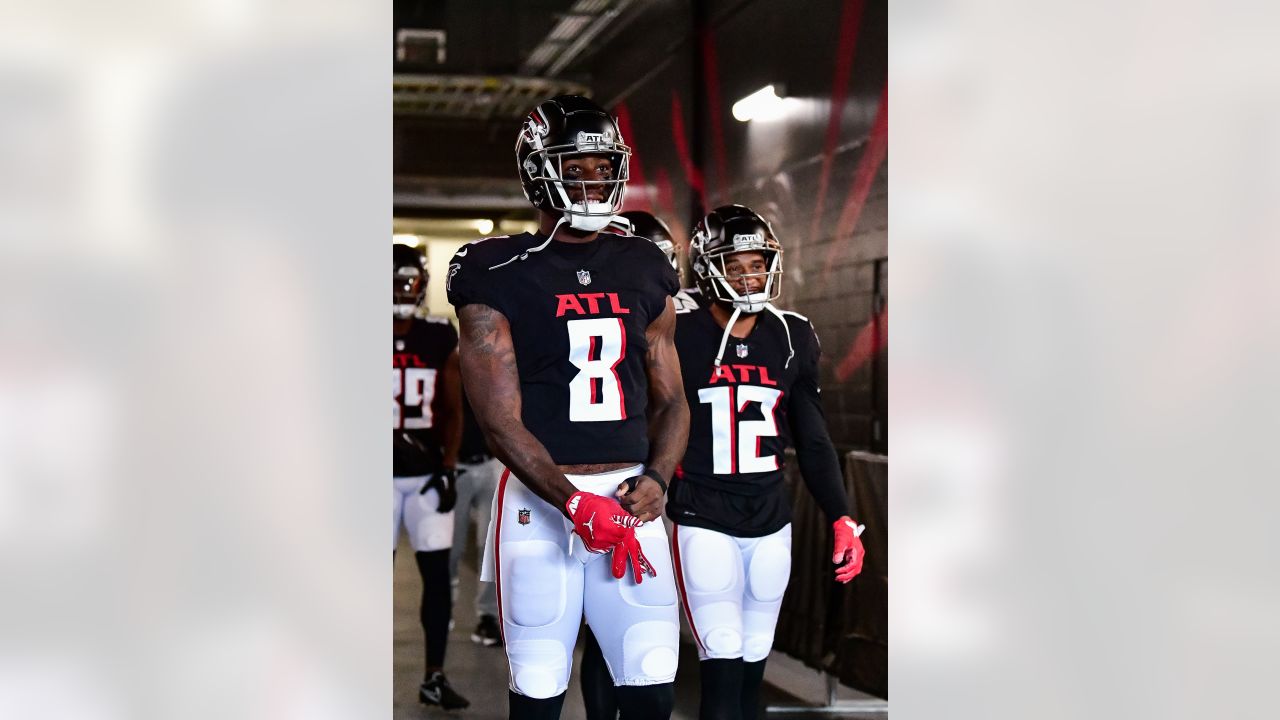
(629, 552)
(445, 484)
(848, 551)
(641, 496)
(605, 527)
(599, 521)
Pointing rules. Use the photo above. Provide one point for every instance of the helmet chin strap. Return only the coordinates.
(791, 350)
(728, 330)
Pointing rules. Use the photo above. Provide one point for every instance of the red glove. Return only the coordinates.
(849, 552)
(604, 526)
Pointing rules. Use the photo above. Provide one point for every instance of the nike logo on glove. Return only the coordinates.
(857, 529)
(589, 524)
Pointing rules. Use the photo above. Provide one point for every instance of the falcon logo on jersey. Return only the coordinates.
(453, 270)
(522, 516)
(742, 350)
(584, 277)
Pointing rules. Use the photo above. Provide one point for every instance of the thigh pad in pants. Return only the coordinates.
(713, 578)
(539, 589)
(768, 569)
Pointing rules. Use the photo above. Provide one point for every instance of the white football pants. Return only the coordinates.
(547, 580)
(428, 528)
(731, 589)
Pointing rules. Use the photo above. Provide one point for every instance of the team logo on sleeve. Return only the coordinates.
(453, 270)
(584, 277)
(742, 350)
(522, 516)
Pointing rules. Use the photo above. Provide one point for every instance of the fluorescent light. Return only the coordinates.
(484, 226)
(762, 104)
(406, 239)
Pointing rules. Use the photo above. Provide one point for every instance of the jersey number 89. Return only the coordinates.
(596, 346)
(412, 387)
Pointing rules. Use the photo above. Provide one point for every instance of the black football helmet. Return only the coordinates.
(647, 225)
(723, 232)
(563, 127)
(409, 280)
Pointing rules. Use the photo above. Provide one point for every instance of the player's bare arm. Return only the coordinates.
(488, 364)
(668, 417)
(450, 410)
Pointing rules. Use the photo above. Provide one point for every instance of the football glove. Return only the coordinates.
(445, 483)
(605, 527)
(848, 551)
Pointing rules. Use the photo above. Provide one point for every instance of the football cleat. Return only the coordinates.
(487, 632)
(436, 690)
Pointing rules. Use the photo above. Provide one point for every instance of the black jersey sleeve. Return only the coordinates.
(468, 280)
(819, 464)
(655, 263)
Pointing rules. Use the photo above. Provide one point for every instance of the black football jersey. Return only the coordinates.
(417, 361)
(731, 478)
(578, 315)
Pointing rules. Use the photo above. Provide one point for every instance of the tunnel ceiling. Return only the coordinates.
(466, 71)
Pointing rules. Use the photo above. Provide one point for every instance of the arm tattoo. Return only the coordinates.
(492, 378)
(668, 411)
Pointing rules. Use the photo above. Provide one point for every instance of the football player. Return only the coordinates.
(750, 370)
(569, 362)
(426, 430)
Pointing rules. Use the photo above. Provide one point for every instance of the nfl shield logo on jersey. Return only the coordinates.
(523, 516)
(742, 350)
(584, 277)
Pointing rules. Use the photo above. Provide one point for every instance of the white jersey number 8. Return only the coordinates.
(596, 346)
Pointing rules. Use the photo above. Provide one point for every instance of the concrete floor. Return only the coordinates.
(480, 673)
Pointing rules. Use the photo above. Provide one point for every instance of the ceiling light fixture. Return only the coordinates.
(763, 104)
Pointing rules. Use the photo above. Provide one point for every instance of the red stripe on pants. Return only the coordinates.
(497, 545)
(684, 598)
